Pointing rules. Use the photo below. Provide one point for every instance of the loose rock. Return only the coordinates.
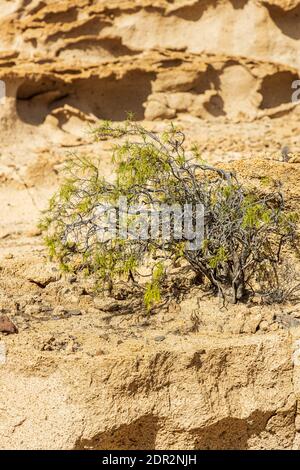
(7, 326)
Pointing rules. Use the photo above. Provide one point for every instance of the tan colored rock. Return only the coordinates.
(158, 110)
(42, 274)
(252, 322)
(7, 326)
(180, 101)
(217, 393)
(295, 159)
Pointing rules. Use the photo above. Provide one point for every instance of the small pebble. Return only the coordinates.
(59, 311)
(159, 338)
(263, 325)
(74, 312)
(7, 326)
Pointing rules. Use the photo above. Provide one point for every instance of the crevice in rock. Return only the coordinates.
(231, 433)
(195, 11)
(94, 48)
(276, 89)
(93, 26)
(287, 21)
(138, 435)
(65, 16)
(111, 98)
(210, 79)
(215, 106)
(105, 98)
(34, 97)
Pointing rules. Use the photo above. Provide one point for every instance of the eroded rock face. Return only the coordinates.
(235, 59)
(193, 393)
(85, 372)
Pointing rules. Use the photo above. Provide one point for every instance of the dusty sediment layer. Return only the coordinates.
(185, 393)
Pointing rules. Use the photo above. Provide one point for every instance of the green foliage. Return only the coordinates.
(152, 292)
(218, 258)
(244, 234)
(255, 215)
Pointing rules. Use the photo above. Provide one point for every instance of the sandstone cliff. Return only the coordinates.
(235, 59)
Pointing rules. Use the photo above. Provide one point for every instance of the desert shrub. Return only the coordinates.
(285, 286)
(240, 245)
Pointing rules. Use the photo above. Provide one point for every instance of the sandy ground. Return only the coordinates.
(31, 175)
